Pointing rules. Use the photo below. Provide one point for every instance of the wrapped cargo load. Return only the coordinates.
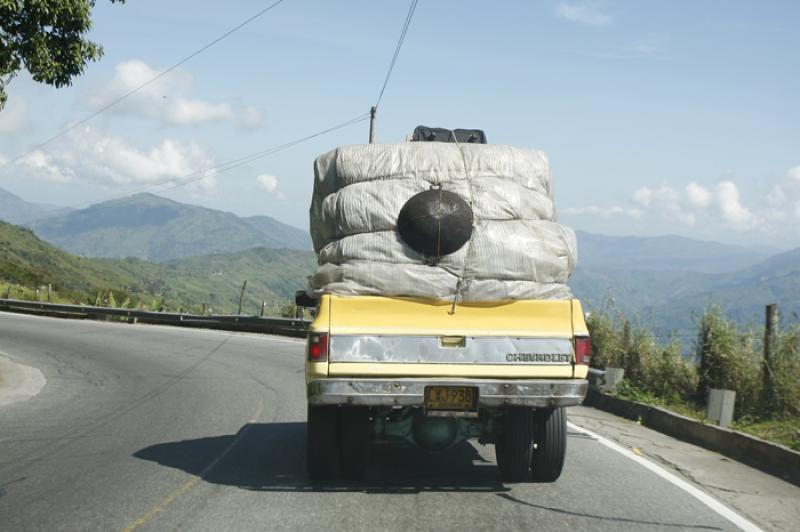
(514, 248)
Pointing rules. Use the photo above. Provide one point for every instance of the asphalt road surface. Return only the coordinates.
(157, 428)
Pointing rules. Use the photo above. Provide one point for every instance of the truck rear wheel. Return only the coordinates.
(354, 439)
(515, 444)
(550, 434)
(322, 443)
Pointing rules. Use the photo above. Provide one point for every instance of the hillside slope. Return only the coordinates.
(16, 210)
(670, 299)
(272, 275)
(155, 228)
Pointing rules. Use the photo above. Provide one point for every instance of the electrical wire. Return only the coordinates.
(241, 161)
(411, 9)
(148, 82)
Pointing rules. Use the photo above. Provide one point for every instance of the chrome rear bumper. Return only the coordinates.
(540, 393)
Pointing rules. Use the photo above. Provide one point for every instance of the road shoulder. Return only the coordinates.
(768, 501)
(18, 382)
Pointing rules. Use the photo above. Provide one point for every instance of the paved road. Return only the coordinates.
(153, 428)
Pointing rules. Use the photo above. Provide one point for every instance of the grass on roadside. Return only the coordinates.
(785, 431)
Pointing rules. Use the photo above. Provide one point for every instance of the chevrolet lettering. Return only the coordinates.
(540, 358)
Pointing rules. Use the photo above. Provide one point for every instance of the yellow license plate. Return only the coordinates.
(451, 398)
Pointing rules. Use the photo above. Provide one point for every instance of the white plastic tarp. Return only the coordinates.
(517, 251)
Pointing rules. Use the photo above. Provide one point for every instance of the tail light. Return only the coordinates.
(583, 349)
(318, 347)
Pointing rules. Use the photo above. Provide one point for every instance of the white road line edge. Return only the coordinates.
(701, 496)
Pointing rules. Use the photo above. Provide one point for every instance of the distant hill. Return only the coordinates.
(272, 275)
(677, 253)
(743, 294)
(155, 228)
(16, 210)
(668, 299)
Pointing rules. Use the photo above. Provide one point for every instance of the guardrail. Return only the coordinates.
(283, 326)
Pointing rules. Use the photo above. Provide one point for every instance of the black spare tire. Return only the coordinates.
(435, 222)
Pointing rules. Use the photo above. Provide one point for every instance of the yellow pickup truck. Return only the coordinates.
(429, 373)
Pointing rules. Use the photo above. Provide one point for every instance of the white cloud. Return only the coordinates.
(731, 207)
(583, 12)
(39, 165)
(89, 156)
(165, 99)
(185, 112)
(270, 184)
(14, 116)
(697, 195)
(665, 201)
(769, 215)
(643, 196)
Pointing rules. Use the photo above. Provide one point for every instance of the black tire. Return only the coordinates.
(323, 461)
(515, 444)
(550, 434)
(355, 432)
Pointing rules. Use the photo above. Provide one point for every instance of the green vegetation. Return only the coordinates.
(726, 355)
(47, 38)
(27, 264)
(783, 431)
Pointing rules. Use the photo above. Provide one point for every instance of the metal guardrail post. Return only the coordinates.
(597, 378)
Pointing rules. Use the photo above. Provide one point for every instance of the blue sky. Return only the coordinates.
(659, 117)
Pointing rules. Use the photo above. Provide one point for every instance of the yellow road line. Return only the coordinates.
(191, 483)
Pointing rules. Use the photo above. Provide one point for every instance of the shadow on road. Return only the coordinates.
(271, 457)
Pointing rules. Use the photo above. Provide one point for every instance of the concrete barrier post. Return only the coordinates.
(613, 377)
(720, 406)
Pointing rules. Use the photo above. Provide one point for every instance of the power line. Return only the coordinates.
(411, 9)
(241, 161)
(148, 82)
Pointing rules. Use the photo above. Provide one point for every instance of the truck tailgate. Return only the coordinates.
(376, 336)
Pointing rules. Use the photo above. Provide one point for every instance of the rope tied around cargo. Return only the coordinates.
(461, 277)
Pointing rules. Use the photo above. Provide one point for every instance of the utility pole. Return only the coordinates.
(49, 289)
(770, 346)
(241, 296)
(372, 112)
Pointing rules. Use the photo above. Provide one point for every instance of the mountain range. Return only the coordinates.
(662, 281)
(16, 210)
(150, 227)
(665, 253)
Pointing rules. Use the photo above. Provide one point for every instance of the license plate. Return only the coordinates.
(451, 398)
